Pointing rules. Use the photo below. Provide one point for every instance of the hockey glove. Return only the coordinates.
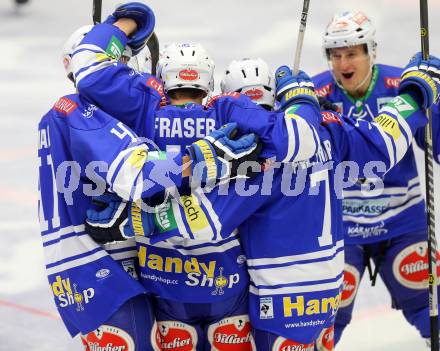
(421, 79)
(144, 18)
(116, 220)
(326, 105)
(218, 156)
(292, 89)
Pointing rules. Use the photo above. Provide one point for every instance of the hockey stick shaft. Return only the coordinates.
(97, 10)
(300, 40)
(429, 179)
(153, 46)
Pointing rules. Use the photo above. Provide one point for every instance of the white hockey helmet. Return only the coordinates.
(251, 77)
(349, 29)
(183, 65)
(70, 45)
(142, 61)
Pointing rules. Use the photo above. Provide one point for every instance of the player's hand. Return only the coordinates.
(326, 105)
(290, 89)
(114, 219)
(421, 79)
(219, 155)
(144, 18)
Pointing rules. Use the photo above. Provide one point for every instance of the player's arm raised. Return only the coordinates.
(289, 134)
(128, 96)
(388, 138)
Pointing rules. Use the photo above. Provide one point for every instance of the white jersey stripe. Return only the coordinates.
(295, 258)
(298, 272)
(296, 289)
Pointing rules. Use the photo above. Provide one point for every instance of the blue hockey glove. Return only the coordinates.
(218, 156)
(421, 79)
(144, 18)
(292, 89)
(116, 220)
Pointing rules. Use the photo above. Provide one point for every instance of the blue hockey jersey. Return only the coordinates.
(289, 219)
(293, 244)
(132, 98)
(371, 216)
(181, 269)
(187, 270)
(83, 151)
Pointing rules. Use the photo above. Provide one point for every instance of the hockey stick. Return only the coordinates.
(96, 12)
(153, 46)
(429, 178)
(300, 40)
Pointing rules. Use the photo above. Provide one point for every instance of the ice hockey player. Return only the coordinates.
(295, 279)
(253, 78)
(202, 306)
(387, 227)
(95, 287)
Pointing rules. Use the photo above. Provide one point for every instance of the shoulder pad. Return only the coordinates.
(65, 106)
(232, 94)
(330, 117)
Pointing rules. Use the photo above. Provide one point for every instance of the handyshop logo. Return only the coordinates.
(300, 306)
(198, 273)
(62, 289)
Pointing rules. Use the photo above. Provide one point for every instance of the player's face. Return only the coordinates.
(350, 66)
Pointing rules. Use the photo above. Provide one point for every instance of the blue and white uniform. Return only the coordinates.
(387, 225)
(82, 152)
(181, 269)
(290, 226)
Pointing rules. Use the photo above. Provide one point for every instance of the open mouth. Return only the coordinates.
(348, 75)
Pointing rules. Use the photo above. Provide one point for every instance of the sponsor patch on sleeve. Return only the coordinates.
(65, 106)
(324, 91)
(232, 94)
(330, 117)
(114, 48)
(156, 85)
(392, 82)
(389, 125)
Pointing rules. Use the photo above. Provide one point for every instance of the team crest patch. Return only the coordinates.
(107, 337)
(349, 285)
